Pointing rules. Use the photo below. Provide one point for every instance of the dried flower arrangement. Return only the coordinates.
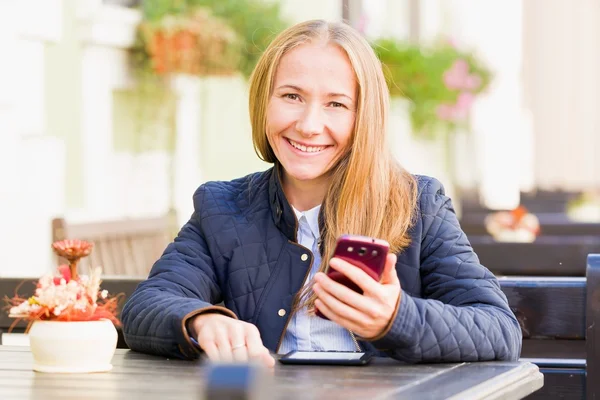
(67, 296)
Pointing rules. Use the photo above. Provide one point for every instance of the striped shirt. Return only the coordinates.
(311, 333)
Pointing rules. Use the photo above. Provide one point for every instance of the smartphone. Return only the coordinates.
(326, 358)
(368, 254)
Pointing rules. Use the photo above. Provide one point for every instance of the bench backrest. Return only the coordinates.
(126, 247)
(560, 319)
(547, 256)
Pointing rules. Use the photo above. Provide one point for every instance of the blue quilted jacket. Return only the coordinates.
(240, 248)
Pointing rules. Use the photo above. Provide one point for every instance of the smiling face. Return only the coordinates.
(311, 112)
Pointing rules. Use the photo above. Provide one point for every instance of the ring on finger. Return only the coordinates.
(238, 346)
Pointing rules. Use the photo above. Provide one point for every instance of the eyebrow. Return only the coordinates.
(298, 89)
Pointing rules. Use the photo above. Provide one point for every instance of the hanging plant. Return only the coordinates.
(253, 22)
(440, 81)
(197, 43)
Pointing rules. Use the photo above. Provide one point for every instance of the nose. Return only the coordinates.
(311, 122)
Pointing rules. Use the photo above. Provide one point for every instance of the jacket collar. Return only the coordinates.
(281, 210)
(283, 213)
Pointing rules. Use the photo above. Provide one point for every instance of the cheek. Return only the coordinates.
(343, 131)
(279, 118)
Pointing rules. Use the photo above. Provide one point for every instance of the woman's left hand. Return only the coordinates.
(367, 314)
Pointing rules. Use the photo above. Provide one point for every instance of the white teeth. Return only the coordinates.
(306, 149)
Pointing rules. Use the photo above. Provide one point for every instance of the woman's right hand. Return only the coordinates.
(226, 339)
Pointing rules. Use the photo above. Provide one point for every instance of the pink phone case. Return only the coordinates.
(366, 253)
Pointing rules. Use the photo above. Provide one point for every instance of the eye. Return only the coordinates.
(291, 96)
(335, 104)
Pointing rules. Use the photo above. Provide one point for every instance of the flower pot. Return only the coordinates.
(72, 347)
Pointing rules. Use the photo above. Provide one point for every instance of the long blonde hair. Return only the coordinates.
(370, 194)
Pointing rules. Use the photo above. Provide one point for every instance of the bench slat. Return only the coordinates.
(592, 341)
(547, 308)
(549, 256)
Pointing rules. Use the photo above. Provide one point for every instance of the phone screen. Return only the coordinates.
(324, 355)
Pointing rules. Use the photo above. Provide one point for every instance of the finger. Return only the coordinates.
(267, 359)
(211, 350)
(338, 319)
(224, 346)
(254, 344)
(206, 341)
(355, 274)
(343, 310)
(256, 349)
(389, 275)
(237, 340)
(342, 300)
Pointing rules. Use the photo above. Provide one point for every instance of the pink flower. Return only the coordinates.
(65, 273)
(455, 77)
(459, 78)
(458, 111)
(463, 105)
(472, 82)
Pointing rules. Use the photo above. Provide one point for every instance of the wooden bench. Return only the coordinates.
(560, 319)
(126, 247)
(547, 256)
(551, 224)
(540, 201)
(26, 288)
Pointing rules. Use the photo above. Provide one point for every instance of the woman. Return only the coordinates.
(260, 244)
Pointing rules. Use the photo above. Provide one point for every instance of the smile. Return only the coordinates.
(306, 149)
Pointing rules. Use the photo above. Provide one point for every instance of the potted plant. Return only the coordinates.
(71, 319)
(518, 225)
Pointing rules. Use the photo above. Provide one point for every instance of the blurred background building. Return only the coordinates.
(97, 123)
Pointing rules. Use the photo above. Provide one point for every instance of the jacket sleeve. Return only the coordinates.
(181, 284)
(463, 315)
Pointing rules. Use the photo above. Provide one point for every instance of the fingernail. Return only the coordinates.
(334, 262)
(316, 287)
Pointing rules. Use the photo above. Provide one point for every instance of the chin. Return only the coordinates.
(301, 174)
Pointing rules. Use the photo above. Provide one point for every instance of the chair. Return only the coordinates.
(124, 247)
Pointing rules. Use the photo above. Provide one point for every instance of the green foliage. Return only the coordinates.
(418, 73)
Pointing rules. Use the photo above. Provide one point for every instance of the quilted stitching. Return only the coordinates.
(452, 308)
(463, 315)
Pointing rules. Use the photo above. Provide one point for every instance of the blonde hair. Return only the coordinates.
(370, 194)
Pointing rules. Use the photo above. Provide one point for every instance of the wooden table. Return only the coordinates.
(140, 376)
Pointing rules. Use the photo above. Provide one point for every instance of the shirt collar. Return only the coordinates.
(312, 217)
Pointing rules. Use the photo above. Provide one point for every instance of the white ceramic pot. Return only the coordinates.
(72, 347)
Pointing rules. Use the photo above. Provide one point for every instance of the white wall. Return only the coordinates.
(562, 76)
(298, 11)
(31, 162)
(499, 122)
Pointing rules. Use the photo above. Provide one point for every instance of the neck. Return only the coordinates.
(304, 195)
